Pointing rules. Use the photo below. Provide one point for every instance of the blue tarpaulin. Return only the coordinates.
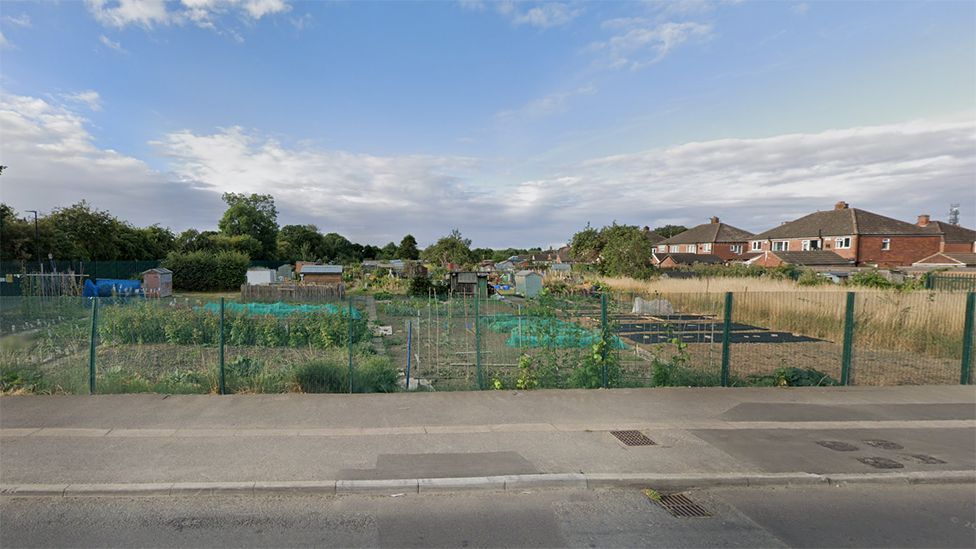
(109, 287)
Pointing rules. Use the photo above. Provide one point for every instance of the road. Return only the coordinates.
(811, 516)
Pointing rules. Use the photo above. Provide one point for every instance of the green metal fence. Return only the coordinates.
(359, 344)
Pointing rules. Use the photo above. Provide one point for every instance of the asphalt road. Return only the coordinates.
(812, 516)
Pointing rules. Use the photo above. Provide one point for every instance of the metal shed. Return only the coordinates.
(257, 276)
(528, 283)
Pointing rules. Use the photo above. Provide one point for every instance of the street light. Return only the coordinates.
(37, 240)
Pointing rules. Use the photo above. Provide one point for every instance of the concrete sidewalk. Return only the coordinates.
(769, 435)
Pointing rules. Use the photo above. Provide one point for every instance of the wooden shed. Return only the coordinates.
(466, 282)
(320, 274)
(157, 282)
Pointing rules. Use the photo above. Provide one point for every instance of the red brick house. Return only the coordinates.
(863, 237)
(715, 238)
(817, 260)
(668, 260)
(955, 238)
(947, 259)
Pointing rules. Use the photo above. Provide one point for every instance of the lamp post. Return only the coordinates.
(37, 240)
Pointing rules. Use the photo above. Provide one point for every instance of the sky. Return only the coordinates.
(516, 122)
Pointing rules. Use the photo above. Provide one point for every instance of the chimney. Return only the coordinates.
(923, 220)
(714, 219)
(840, 205)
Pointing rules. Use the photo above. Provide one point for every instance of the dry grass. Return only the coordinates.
(929, 324)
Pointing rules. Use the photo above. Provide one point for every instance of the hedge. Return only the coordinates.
(206, 271)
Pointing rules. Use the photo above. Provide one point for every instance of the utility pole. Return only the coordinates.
(37, 240)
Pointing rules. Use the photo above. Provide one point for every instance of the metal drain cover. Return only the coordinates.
(680, 506)
(633, 438)
(837, 445)
(884, 444)
(881, 463)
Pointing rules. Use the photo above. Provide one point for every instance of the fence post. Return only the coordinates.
(349, 321)
(726, 338)
(220, 341)
(965, 376)
(845, 365)
(92, 342)
(604, 337)
(406, 386)
(477, 337)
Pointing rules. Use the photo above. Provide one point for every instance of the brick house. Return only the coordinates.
(715, 238)
(947, 259)
(863, 237)
(817, 260)
(668, 260)
(955, 238)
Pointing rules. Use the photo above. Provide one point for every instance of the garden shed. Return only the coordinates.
(257, 276)
(284, 273)
(528, 283)
(157, 282)
(320, 274)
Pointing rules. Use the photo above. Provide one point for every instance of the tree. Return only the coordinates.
(82, 232)
(387, 252)
(452, 248)
(252, 215)
(337, 249)
(618, 250)
(408, 248)
(668, 231)
(16, 235)
(587, 244)
(299, 243)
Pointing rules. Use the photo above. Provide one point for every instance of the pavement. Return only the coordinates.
(180, 445)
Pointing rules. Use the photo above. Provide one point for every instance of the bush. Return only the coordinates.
(811, 278)
(375, 374)
(794, 377)
(206, 271)
(869, 279)
(322, 376)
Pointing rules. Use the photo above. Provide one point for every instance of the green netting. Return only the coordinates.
(279, 309)
(546, 332)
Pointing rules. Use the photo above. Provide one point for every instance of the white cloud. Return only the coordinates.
(54, 161)
(553, 103)
(4, 43)
(546, 15)
(121, 13)
(112, 45)
(22, 20)
(203, 13)
(89, 98)
(639, 45)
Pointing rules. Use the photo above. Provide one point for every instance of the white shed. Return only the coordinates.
(528, 283)
(257, 276)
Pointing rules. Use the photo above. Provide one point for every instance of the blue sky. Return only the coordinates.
(515, 122)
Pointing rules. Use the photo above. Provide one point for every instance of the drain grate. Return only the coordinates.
(884, 444)
(633, 438)
(680, 505)
(837, 445)
(927, 460)
(881, 463)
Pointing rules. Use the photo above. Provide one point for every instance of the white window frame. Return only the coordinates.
(756, 246)
(842, 243)
(707, 248)
(781, 245)
(736, 249)
(691, 248)
(662, 248)
(886, 244)
(674, 248)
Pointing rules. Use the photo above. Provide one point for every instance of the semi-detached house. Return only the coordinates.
(716, 238)
(860, 236)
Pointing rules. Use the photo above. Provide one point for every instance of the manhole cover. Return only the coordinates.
(927, 460)
(837, 445)
(633, 438)
(884, 444)
(881, 463)
(680, 506)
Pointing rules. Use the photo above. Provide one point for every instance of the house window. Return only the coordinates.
(781, 245)
(691, 248)
(674, 249)
(886, 244)
(736, 248)
(842, 242)
(756, 245)
(808, 245)
(662, 248)
(707, 248)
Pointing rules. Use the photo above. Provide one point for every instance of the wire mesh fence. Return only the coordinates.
(360, 344)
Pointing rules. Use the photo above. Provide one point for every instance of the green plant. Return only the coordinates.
(589, 375)
(322, 376)
(375, 374)
(793, 377)
(869, 279)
